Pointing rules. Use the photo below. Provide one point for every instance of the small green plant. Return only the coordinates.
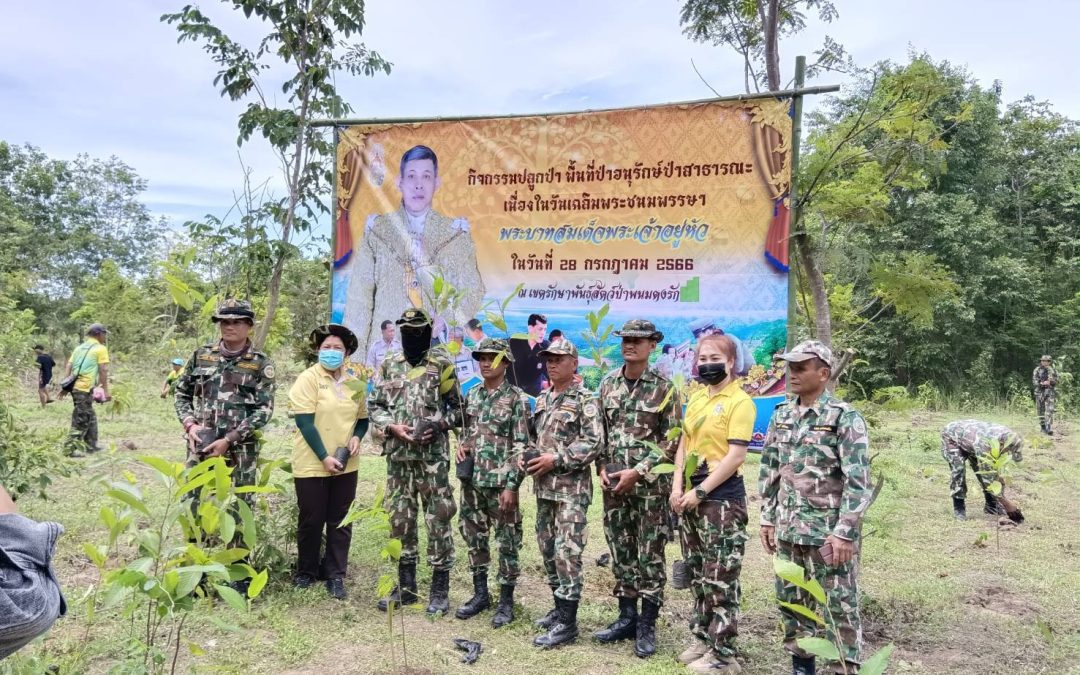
(156, 565)
(29, 460)
(794, 574)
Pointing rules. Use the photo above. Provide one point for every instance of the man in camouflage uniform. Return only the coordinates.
(640, 407)
(495, 435)
(569, 434)
(415, 404)
(815, 489)
(1044, 381)
(224, 395)
(976, 442)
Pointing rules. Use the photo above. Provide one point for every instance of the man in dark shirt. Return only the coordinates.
(527, 369)
(45, 366)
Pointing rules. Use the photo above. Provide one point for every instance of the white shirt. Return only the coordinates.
(378, 351)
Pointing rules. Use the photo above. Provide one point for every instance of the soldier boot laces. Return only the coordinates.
(548, 620)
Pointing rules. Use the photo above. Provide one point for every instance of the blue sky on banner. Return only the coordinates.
(109, 79)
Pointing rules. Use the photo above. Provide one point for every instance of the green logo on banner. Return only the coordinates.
(691, 290)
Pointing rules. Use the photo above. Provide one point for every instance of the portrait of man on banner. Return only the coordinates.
(400, 253)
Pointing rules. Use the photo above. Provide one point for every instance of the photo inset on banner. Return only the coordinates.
(395, 264)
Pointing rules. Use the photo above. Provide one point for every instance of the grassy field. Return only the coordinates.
(953, 597)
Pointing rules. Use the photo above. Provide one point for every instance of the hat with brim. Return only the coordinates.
(1046, 357)
(809, 349)
(559, 347)
(97, 329)
(493, 346)
(178, 362)
(348, 338)
(414, 318)
(234, 310)
(640, 328)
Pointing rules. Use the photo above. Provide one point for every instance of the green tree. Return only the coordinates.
(309, 38)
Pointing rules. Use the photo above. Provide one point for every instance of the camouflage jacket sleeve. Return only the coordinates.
(378, 406)
(590, 438)
(670, 418)
(259, 414)
(453, 405)
(855, 465)
(1052, 376)
(769, 476)
(522, 439)
(185, 391)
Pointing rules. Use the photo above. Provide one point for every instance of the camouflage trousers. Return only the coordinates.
(713, 541)
(562, 532)
(244, 460)
(410, 483)
(842, 599)
(479, 511)
(637, 529)
(1045, 401)
(84, 429)
(958, 461)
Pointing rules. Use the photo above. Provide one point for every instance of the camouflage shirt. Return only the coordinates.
(975, 437)
(815, 471)
(496, 432)
(233, 396)
(1044, 374)
(405, 395)
(645, 411)
(569, 426)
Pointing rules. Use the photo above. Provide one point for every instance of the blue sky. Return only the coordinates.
(107, 78)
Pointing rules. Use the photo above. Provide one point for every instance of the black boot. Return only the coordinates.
(551, 618)
(992, 506)
(405, 592)
(803, 665)
(646, 629)
(440, 592)
(624, 627)
(504, 612)
(480, 600)
(565, 629)
(958, 509)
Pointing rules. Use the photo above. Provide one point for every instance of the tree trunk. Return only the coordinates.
(816, 280)
(772, 48)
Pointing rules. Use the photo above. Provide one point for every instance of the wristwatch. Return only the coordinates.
(701, 494)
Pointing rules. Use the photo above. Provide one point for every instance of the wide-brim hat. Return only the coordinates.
(640, 328)
(326, 330)
(1046, 357)
(493, 346)
(234, 309)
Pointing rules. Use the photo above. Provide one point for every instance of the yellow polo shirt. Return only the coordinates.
(85, 362)
(711, 421)
(331, 400)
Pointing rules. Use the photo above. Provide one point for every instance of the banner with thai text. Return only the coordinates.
(677, 214)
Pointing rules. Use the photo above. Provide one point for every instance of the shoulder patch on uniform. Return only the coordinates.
(268, 372)
(859, 425)
(590, 409)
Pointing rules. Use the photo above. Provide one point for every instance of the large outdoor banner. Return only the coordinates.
(677, 214)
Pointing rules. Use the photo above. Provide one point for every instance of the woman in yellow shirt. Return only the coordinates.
(331, 418)
(717, 428)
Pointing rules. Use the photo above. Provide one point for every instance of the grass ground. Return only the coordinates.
(953, 597)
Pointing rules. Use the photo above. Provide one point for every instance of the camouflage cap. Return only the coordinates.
(414, 317)
(808, 349)
(347, 337)
(1046, 357)
(560, 346)
(493, 346)
(234, 309)
(640, 328)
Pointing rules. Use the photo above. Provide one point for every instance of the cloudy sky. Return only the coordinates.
(107, 78)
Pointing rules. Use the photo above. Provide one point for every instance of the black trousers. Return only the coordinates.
(323, 504)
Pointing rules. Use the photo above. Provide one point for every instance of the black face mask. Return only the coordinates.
(415, 343)
(712, 373)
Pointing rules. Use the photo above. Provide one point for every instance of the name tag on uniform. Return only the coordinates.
(831, 428)
(784, 425)
(210, 358)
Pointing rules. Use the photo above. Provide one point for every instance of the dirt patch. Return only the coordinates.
(1002, 601)
(935, 661)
